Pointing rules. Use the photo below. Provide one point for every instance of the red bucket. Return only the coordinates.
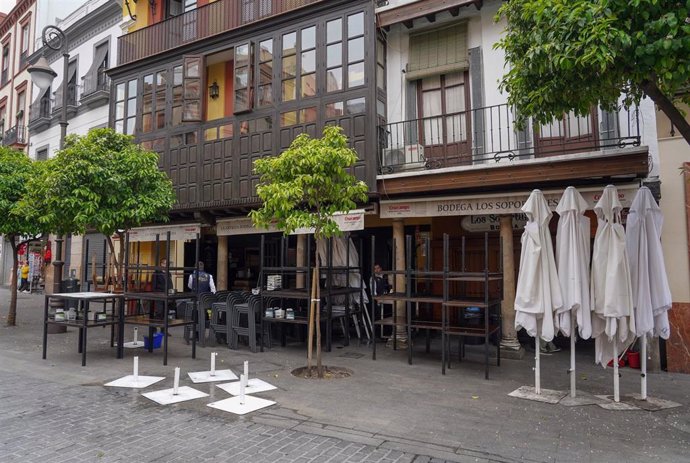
(634, 359)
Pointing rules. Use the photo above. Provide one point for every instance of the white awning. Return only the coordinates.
(351, 221)
(499, 203)
(177, 233)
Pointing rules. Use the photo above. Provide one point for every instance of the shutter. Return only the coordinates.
(71, 72)
(91, 77)
(438, 51)
(39, 96)
(477, 88)
(192, 91)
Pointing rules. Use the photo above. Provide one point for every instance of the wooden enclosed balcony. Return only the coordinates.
(200, 23)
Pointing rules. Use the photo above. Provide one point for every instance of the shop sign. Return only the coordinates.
(177, 233)
(352, 221)
(496, 204)
(491, 222)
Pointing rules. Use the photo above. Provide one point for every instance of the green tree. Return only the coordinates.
(565, 55)
(101, 181)
(16, 170)
(303, 188)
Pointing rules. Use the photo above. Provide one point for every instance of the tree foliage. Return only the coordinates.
(16, 170)
(307, 184)
(568, 55)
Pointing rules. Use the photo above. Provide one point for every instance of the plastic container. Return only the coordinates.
(621, 363)
(634, 360)
(157, 340)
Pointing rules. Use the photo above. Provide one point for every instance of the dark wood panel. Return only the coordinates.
(415, 10)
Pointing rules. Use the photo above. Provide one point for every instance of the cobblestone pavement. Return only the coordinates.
(42, 421)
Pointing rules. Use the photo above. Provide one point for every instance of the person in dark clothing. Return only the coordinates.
(160, 278)
(379, 282)
(205, 281)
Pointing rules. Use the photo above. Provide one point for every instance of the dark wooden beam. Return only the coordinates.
(478, 4)
(409, 23)
(454, 11)
(431, 17)
(410, 11)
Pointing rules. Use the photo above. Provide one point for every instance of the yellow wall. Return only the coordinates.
(141, 9)
(216, 108)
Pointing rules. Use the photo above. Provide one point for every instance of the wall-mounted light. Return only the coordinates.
(214, 90)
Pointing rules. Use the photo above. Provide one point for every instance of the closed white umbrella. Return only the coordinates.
(572, 257)
(538, 292)
(613, 321)
(650, 290)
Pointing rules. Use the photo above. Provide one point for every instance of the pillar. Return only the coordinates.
(301, 259)
(510, 346)
(400, 309)
(222, 257)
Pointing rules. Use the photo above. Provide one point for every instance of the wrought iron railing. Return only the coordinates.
(15, 135)
(200, 23)
(489, 134)
(96, 82)
(72, 97)
(40, 109)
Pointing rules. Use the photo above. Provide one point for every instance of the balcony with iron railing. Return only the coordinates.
(96, 88)
(15, 136)
(40, 113)
(200, 23)
(490, 135)
(72, 99)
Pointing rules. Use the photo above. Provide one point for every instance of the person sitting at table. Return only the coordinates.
(205, 281)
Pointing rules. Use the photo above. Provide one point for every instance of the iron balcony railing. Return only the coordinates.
(72, 97)
(15, 135)
(489, 134)
(200, 23)
(40, 109)
(96, 82)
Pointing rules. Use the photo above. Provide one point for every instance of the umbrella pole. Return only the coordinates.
(573, 376)
(643, 368)
(616, 382)
(537, 376)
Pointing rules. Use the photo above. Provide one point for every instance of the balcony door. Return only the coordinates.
(571, 134)
(444, 119)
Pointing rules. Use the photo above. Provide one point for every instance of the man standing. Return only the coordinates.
(205, 281)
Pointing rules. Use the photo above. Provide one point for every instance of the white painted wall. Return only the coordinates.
(85, 119)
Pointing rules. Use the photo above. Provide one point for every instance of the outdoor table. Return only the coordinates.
(151, 322)
(83, 301)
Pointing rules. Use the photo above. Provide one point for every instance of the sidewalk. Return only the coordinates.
(390, 407)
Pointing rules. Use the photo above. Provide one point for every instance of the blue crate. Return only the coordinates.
(157, 340)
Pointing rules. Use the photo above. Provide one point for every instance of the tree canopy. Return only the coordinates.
(307, 184)
(568, 55)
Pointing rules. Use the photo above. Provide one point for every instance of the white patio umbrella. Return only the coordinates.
(650, 290)
(572, 257)
(613, 323)
(538, 292)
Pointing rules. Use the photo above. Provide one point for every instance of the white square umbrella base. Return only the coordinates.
(205, 376)
(548, 396)
(582, 398)
(253, 386)
(141, 381)
(166, 396)
(133, 345)
(233, 405)
(652, 404)
(609, 404)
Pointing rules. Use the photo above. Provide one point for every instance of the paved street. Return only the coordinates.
(54, 410)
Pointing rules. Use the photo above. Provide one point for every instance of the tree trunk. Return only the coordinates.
(668, 108)
(310, 321)
(319, 366)
(12, 313)
(119, 260)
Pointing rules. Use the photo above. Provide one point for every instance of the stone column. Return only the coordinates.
(510, 346)
(222, 277)
(301, 259)
(400, 309)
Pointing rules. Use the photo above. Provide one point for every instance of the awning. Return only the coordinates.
(177, 233)
(351, 221)
(499, 203)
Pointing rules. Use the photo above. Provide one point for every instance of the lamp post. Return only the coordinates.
(42, 76)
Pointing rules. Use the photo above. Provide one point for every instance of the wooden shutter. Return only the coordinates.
(438, 51)
(192, 89)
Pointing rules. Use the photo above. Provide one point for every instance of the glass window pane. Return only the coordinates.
(308, 85)
(241, 78)
(355, 25)
(130, 125)
(456, 78)
(177, 94)
(175, 141)
(266, 72)
(265, 95)
(355, 49)
(307, 115)
(190, 138)
(380, 52)
(431, 103)
(147, 105)
(309, 38)
(381, 108)
(289, 89)
(191, 111)
(177, 75)
(308, 62)
(120, 92)
(161, 78)
(159, 144)
(334, 55)
(211, 134)
(242, 55)
(455, 99)
(119, 126)
(334, 79)
(334, 30)
(355, 106)
(132, 88)
(225, 131)
(290, 43)
(241, 99)
(334, 109)
(119, 110)
(146, 125)
(192, 89)
(176, 115)
(290, 66)
(192, 67)
(148, 83)
(355, 75)
(266, 50)
(431, 82)
(380, 77)
(264, 124)
(288, 118)
(132, 107)
(160, 119)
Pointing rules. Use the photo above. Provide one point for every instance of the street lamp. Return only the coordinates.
(42, 76)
